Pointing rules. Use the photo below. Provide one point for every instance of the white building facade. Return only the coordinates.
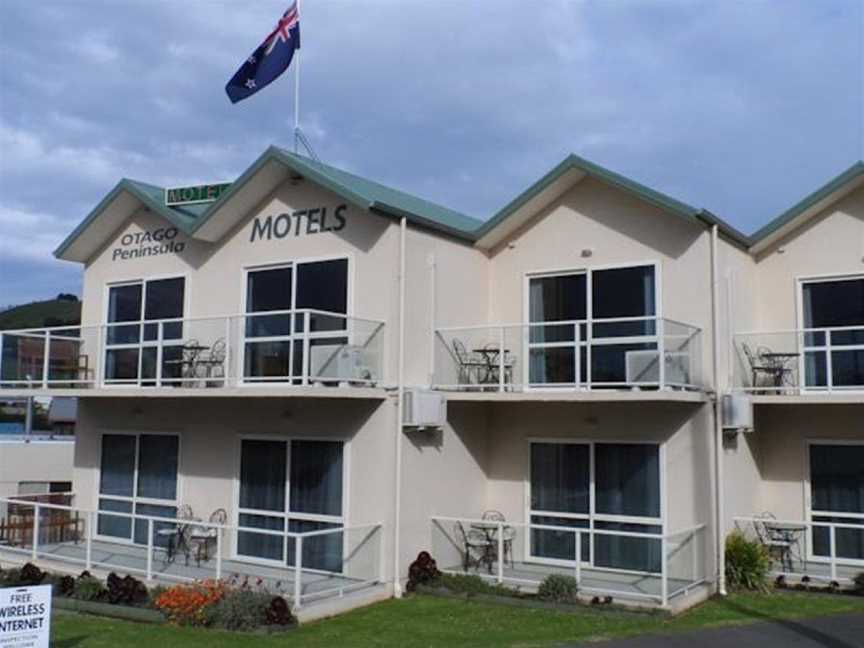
(320, 376)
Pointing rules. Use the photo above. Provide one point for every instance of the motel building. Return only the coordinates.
(307, 377)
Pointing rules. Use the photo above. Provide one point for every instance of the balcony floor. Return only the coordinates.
(572, 395)
(254, 391)
(123, 558)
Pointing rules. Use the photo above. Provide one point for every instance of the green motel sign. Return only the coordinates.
(195, 194)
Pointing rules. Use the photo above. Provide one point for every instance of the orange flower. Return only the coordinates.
(185, 604)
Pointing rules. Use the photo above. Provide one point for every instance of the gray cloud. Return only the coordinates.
(741, 107)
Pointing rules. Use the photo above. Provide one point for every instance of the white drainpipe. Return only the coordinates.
(400, 407)
(718, 422)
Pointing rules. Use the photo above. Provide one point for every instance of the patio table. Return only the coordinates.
(492, 366)
(786, 535)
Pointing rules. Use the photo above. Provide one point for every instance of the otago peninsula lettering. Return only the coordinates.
(148, 243)
(303, 221)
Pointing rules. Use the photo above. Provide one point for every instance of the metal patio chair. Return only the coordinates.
(508, 534)
(201, 537)
(469, 365)
(761, 368)
(476, 548)
(779, 542)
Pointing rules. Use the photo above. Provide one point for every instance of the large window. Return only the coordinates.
(837, 496)
(138, 475)
(139, 347)
(601, 486)
(293, 486)
(612, 309)
(280, 303)
(833, 319)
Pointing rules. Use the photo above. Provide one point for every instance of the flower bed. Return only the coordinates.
(232, 605)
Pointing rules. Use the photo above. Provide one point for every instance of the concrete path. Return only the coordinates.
(841, 631)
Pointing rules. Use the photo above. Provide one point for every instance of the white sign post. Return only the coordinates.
(25, 617)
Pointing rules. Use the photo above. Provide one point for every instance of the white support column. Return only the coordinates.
(149, 549)
(46, 366)
(661, 346)
(664, 574)
(306, 320)
(35, 532)
(88, 543)
(219, 553)
(578, 569)
(500, 548)
(160, 337)
(226, 380)
(501, 359)
(298, 570)
(833, 538)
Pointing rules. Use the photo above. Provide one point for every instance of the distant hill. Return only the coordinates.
(52, 312)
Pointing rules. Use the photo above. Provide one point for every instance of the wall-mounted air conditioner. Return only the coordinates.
(424, 409)
(737, 412)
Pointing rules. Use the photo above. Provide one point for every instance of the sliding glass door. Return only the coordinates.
(606, 487)
(138, 476)
(294, 486)
(833, 340)
(837, 496)
(611, 311)
(138, 348)
(280, 303)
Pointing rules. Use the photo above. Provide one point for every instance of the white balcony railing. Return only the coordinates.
(652, 567)
(828, 547)
(320, 564)
(800, 361)
(619, 353)
(291, 347)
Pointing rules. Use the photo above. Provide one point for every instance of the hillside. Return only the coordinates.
(52, 312)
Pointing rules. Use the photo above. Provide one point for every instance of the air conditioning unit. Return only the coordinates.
(737, 412)
(424, 409)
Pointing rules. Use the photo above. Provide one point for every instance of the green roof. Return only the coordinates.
(376, 197)
(850, 174)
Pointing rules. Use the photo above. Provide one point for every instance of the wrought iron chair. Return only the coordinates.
(760, 367)
(508, 534)
(778, 542)
(469, 364)
(476, 548)
(201, 537)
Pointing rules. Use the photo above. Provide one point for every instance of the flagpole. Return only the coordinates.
(297, 93)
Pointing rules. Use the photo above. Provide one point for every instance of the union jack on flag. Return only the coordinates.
(269, 60)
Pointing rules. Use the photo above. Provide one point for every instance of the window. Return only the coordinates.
(604, 339)
(279, 302)
(624, 479)
(144, 351)
(138, 476)
(833, 319)
(837, 496)
(296, 486)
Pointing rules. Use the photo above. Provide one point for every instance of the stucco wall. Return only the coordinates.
(39, 461)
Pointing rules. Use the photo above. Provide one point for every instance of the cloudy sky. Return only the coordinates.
(738, 106)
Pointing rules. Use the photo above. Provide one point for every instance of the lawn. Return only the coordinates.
(427, 621)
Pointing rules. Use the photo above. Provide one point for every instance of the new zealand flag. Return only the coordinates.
(270, 60)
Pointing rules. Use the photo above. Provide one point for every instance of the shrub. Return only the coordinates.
(472, 584)
(31, 575)
(748, 563)
(858, 581)
(423, 571)
(187, 604)
(88, 588)
(558, 588)
(279, 613)
(239, 609)
(126, 590)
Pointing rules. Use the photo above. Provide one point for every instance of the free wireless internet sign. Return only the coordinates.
(25, 617)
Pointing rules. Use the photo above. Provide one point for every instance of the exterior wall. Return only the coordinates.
(832, 243)
(619, 230)
(210, 432)
(34, 461)
(738, 292)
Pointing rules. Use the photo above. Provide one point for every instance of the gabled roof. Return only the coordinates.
(211, 221)
(808, 207)
(569, 171)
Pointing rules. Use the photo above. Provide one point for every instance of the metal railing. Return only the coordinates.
(800, 361)
(615, 353)
(671, 564)
(815, 549)
(290, 347)
(67, 534)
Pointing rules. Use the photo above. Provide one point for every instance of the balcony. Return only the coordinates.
(802, 362)
(633, 354)
(276, 349)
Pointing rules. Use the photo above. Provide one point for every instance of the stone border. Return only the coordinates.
(98, 608)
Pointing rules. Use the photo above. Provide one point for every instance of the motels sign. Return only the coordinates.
(301, 222)
(195, 194)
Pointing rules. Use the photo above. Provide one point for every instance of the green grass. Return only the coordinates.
(428, 621)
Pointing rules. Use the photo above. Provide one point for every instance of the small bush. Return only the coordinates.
(558, 588)
(187, 604)
(472, 584)
(859, 584)
(126, 590)
(31, 575)
(88, 588)
(239, 609)
(423, 571)
(279, 613)
(748, 564)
